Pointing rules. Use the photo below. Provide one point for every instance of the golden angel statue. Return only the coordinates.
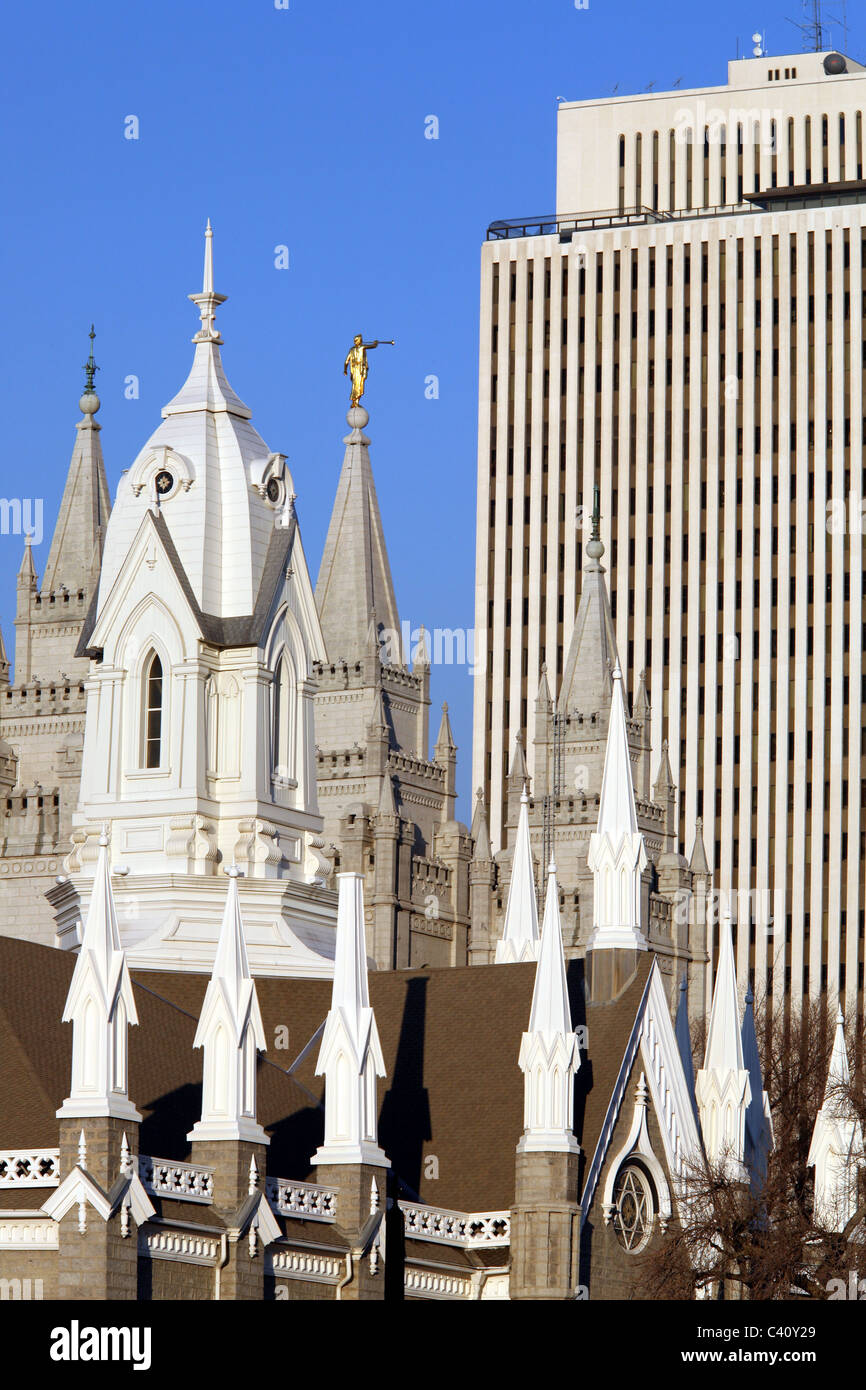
(357, 366)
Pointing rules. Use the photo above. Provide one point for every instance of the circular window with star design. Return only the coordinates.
(274, 491)
(634, 1208)
(165, 483)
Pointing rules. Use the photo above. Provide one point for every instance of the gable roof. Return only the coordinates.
(430, 1102)
(245, 631)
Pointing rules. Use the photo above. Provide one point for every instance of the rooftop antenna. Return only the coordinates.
(813, 29)
(615, 89)
(842, 22)
(649, 86)
(759, 51)
(676, 84)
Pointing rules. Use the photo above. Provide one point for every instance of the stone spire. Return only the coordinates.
(836, 1150)
(758, 1138)
(698, 862)
(355, 576)
(4, 662)
(480, 829)
(722, 1085)
(444, 739)
(230, 1031)
(350, 1057)
(100, 1006)
(520, 939)
(592, 649)
(387, 805)
(76, 547)
(445, 754)
(549, 1055)
(665, 795)
(617, 856)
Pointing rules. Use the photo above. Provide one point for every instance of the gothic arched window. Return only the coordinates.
(634, 1205)
(284, 691)
(153, 712)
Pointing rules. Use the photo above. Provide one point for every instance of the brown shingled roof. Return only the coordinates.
(450, 1039)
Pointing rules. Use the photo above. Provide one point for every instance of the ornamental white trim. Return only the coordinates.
(187, 1182)
(638, 1147)
(653, 1033)
(425, 1284)
(26, 1234)
(301, 1264)
(302, 1199)
(465, 1229)
(29, 1167)
(182, 1246)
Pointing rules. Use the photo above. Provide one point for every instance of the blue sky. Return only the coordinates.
(302, 127)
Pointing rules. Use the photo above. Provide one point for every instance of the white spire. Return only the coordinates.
(722, 1085)
(520, 938)
(350, 1057)
(549, 1055)
(100, 1006)
(207, 302)
(837, 1143)
(617, 855)
(230, 1031)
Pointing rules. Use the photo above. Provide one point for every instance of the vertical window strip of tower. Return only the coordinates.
(552, 793)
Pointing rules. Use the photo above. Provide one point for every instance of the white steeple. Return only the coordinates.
(230, 1030)
(100, 1006)
(722, 1085)
(520, 939)
(549, 1055)
(350, 1057)
(836, 1151)
(617, 855)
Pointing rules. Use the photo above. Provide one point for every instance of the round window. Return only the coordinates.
(274, 490)
(164, 482)
(634, 1208)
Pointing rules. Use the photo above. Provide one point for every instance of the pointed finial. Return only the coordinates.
(524, 795)
(125, 1156)
(207, 280)
(103, 836)
(254, 1170)
(89, 402)
(594, 546)
(207, 301)
(82, 1150)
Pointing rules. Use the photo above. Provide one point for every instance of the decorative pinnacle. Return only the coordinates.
(103, 836)
(595, 534)
(90, 367)
(208, 301)
(595, 546)
(89, 402)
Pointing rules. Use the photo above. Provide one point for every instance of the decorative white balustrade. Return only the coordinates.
(187, 1182)
(466, 1229)
(302, 1199)
(29, 1167)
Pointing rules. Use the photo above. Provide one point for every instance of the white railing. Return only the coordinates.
(29, 1167)
(186, 1181)
(302, 1199)
(467, 1229)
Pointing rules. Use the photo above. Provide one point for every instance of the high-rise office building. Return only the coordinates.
(686, 332)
